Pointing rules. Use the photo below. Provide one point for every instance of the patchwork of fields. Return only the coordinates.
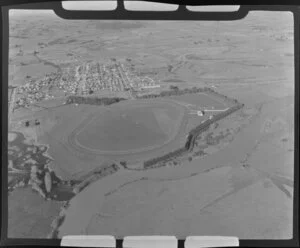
(241, 168)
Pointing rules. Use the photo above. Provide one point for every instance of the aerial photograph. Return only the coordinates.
(134, 127)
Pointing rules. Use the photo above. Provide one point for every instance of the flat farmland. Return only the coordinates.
(168, 117)
(57, 125)
(201, 100)
(240, 171)
(131, 127)
(84, 137)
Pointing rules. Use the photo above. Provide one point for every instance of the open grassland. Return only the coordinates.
(30, 216)
(59, 124)
(130, 127)
(225, 53)
(241, 170)
(123, 131)
(201, 100)
(134, 109)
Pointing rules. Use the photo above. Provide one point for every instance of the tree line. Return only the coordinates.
(93, 100)
(165, 157)
(193, 134)
(175, 91)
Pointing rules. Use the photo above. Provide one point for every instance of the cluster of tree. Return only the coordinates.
(93, 100)
(210, 140)
(95, 175)
(97, 171)
(202, 127)
(227, 112)
(148, 96)
(190, 142)
(165, 157)
(193, 134)
(31, 123)
(220, 95)
(175, 91)
(123, 163)
(172, 87)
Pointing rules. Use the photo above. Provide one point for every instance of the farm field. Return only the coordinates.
(146, 126)
(82, 125)
(241, 168)
(201, 100)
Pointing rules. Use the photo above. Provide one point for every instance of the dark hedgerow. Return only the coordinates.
(190, 142)
(93, 100)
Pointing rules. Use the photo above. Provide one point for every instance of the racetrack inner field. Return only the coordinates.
(129, 128)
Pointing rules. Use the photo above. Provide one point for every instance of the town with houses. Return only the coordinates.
(84, 80)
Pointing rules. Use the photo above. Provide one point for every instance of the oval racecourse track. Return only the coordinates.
(177, 128)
